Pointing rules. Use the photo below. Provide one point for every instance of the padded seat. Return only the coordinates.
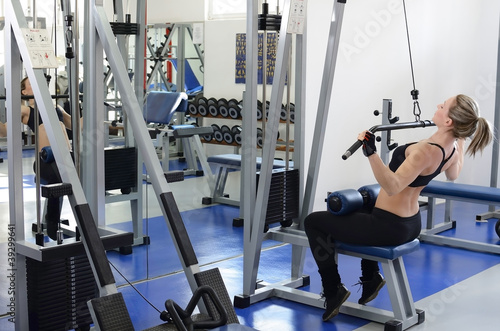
(386, 252)
(234, 160)
(403, 315)
(459, 192)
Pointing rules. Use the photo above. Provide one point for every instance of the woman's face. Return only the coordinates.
(27, 90)
(441, 114)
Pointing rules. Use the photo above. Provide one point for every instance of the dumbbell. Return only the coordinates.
(203, 106)
(223, 107)
(236, 130)
(260, 140)
(193, 107)
(227, 135)
(234, 109)
(217, 133)
(259, 110)
(213, 108)
(283, 113)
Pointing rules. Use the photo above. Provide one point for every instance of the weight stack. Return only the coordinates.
(58, 292)
(120, 168)
(283, 204)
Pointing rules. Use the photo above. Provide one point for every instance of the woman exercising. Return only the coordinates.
(48, 171)
(395, 219)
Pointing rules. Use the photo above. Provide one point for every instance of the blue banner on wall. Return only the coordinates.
(241, 44)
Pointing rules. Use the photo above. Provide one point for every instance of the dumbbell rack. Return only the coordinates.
(201, 107)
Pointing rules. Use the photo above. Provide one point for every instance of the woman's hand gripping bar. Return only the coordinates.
(386, 127)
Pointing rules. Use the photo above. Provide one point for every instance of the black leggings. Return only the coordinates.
(378, 228)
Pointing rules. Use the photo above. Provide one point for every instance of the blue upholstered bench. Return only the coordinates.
(160, 108)
(233, 161)
(381, 252)
(404, 314)
(223, 163)
(460, 192)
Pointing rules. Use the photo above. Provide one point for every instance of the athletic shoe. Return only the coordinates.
(333, 304)
(371, 288)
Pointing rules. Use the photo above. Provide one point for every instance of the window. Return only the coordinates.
(218, 9)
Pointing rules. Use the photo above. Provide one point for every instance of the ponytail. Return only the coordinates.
(467, 123)
(481, 138)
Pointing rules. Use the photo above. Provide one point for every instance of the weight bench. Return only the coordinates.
(159, 109)
(224, 163)
(404, 314)
(459, 192)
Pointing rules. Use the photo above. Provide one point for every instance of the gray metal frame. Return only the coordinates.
(17, 49)
(134, 112)
(492, 213)
(431, 233)
(254, 229)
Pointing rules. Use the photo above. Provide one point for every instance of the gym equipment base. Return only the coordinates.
(111, 239)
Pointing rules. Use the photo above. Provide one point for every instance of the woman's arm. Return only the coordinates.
(418, 159)
(3, 129)
(458, 161)
(66, 117)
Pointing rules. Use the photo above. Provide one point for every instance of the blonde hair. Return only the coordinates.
(467, 123)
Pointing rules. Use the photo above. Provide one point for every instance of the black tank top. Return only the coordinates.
(398, 157)
(31, 119)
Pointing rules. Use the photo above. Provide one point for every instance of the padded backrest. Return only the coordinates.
(161, 105)
(192, 84)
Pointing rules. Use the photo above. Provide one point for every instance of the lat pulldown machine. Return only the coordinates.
(405, 315)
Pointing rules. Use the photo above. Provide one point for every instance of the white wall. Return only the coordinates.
(454, 46)
(175, 11)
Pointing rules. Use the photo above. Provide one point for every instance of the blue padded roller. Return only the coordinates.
(466, 191)
(47, 155)
(161, 106)
(344, 202)
(386, 252)
(370, 194)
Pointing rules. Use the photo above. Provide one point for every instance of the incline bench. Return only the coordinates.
(460, 192)
(217, 182)
(159, 108)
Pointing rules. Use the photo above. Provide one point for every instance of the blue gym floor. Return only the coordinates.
(442, 279)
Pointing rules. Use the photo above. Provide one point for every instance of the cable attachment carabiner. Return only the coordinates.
(69, 37)
(416, 105)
